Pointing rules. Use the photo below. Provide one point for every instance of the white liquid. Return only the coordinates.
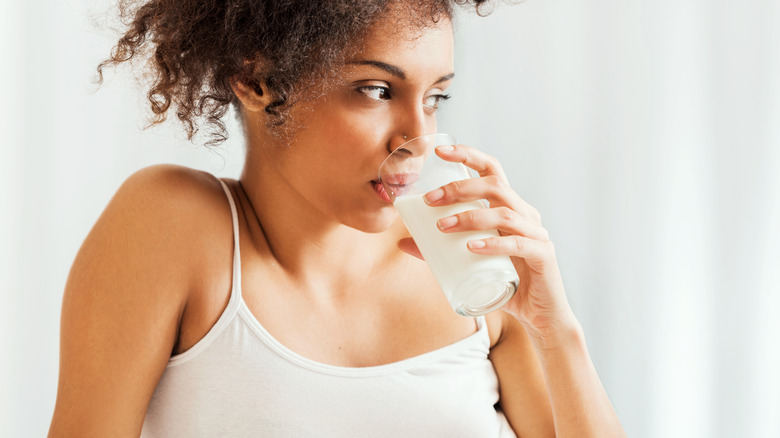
(447, 255)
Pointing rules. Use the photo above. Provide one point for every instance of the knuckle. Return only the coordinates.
(501, 189)
(494, 181)
(468, 217)
(453, 188)
(535, 214)
(518, 244)
(506, 214)
(492, 162)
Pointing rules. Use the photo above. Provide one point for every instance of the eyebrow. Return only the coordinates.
(395, 70)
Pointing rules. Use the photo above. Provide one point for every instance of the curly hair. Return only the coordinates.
(195, 47)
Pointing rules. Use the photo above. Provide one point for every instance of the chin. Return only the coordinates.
(374, 222)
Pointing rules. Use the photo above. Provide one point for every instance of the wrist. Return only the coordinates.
(556, 333)
(564, 338)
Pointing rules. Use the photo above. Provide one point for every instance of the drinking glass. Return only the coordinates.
(474, 284)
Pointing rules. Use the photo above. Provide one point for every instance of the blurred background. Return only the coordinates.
(646, 133)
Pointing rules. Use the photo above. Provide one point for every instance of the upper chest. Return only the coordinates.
(388, 315)
(379, 319)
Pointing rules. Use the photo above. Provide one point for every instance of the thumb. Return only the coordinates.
(408, 246)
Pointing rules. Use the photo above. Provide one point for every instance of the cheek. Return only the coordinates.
(339, 144)
(351, 123)
(360, 129)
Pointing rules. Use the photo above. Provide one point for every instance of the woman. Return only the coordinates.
(286, 303)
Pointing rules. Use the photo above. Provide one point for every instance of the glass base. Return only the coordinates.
(485, 292)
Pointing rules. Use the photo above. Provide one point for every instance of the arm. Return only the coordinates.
(121, 307)
(579, 404)
(524, 396)
(549, 386)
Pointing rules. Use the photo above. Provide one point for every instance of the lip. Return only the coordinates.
(397, 184)
(385, 190)
(400, 179)
(379, 189)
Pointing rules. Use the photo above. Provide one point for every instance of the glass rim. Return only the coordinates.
(431, 134)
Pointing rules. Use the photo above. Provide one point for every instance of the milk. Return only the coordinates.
(474, 284)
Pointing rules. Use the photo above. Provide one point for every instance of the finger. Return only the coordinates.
(503, 219)
(536, 253)
(492, 184)
(481, 162)
(408, 246)
(492, 188)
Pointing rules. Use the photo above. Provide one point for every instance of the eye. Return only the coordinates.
(432, 101)
(375, 92)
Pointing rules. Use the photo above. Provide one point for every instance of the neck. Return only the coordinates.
(309, 245)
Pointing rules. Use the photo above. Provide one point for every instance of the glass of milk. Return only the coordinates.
(474, 284)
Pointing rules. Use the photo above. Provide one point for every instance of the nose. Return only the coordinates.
(412, 122)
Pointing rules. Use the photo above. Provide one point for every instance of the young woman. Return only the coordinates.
(289, 303)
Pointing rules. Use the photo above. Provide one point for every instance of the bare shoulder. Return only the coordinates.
(169, 186)
(125, 295)
(160, 219)
(168, 200)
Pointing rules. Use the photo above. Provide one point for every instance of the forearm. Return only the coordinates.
(580, 405)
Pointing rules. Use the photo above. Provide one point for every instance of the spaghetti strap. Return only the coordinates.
(241, 381)
(482, 326)
(234, 302)
(236, 289)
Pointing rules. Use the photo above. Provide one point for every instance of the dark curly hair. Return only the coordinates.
(195, 47)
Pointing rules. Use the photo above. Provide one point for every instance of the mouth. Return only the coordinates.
(397, 184)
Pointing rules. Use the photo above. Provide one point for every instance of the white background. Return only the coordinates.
(646, 133)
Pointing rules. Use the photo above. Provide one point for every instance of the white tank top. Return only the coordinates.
(238, 381)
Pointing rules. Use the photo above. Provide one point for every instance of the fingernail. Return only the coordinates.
(447, 222)
(434, 196)
(476, 244)
(446, 148)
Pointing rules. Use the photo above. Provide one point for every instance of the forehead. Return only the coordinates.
(406, 44)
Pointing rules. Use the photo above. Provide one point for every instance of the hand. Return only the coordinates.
(540, 302)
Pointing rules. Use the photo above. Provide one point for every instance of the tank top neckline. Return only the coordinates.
(477, 338)
(237, 307)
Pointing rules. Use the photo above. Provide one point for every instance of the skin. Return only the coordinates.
(323, 260)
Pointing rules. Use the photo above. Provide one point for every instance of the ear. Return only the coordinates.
(253, 97)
